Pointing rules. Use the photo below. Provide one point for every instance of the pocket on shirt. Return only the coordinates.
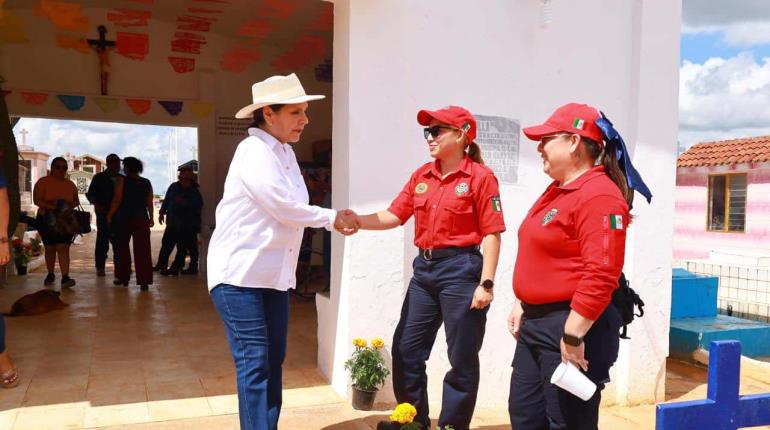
(420, 208)
(461, 216)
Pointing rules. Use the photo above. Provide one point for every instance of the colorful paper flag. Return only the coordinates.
(12, 29)
(236, 60)
(34, 98)
(172, 107)
(77, 43)
(64, 15)
(201, 109)
(130, 17)
(72, 103)
(133, 45)
(106, 104)
(181, 64)
(139, 107)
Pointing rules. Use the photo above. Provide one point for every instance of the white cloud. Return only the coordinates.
(724, 98)
(148, 143)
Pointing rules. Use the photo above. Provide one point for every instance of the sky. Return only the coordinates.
(149, 143)
(724, 75)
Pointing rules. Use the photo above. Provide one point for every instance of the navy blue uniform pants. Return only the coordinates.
(103, 241)
(441, 291)
(534, 403)
(256, 321)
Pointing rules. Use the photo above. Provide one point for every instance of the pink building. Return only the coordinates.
(723, 198)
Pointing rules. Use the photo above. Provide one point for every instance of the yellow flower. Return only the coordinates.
(359, 343)
(378, 343)
(404, 413)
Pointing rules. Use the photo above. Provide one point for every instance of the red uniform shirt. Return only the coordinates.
(572, 244)
(457, 211)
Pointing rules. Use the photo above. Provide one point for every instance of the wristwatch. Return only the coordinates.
(487, 284)
(572, 340)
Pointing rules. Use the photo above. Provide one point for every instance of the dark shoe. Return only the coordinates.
(388, 425)
(100, 273)
(169, 272)
(67, 282)
(49, 280)
(158, 268)
(190, 271)
(144, 287)
(120, 282)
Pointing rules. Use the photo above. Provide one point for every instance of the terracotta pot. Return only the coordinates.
(363, 400)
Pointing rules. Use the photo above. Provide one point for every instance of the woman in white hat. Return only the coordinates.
(253, 252)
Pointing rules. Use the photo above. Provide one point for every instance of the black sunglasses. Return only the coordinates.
(435, 130)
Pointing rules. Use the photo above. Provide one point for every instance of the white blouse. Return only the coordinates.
(261, 218)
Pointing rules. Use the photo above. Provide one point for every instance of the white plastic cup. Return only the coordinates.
(568, 377)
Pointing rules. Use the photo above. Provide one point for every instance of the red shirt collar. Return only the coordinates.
(435, 168)
(582, 179)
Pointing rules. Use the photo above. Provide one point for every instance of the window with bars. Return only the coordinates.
(727, 203)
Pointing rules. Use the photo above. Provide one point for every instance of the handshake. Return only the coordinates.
(347, 222)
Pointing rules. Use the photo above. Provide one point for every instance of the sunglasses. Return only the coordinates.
(547, 139)
(435, 130)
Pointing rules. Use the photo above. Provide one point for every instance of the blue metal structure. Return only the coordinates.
(724, 408)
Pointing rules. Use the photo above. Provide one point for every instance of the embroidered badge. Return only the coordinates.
(616, 222)
(578, 123)
(496, 206)
(421, 188)
(550, 216)
(461, 189)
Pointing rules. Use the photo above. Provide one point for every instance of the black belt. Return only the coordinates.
(435, 254)
(539, 311)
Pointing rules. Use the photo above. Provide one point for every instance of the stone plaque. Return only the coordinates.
(498, 138)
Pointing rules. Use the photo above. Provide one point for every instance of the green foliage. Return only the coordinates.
(367, 368)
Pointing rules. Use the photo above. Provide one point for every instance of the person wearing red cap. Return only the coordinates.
(456, 204)
(571, 250)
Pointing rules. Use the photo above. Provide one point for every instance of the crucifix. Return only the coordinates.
(102, 47)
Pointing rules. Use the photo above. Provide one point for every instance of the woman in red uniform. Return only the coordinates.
(456, 204)
(571, 250)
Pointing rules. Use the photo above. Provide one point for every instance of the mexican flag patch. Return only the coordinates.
(496, 206)
(616, 222)
(578, 123)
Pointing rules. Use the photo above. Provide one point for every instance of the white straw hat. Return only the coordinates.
(276, 90)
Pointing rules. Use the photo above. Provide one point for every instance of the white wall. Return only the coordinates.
(496, 58)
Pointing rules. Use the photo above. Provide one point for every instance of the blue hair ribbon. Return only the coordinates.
(615, 142)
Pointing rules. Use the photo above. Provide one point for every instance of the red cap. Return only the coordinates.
(451, 115)
(574, 118)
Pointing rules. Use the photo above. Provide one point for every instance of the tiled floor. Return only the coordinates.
(118, 358)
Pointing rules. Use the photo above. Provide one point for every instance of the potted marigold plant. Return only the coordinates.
(367, 371)
(22, 253)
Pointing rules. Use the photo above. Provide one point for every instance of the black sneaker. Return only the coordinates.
(49, 280)
(101, 273)
(158, 268)
(120, 282)
(67, 282)
(169, 272)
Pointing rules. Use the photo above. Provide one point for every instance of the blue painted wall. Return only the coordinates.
(693, 296)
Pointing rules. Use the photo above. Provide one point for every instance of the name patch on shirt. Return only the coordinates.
(421, 188)
(550, 216)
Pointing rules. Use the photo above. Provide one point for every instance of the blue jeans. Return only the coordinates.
(441, 291)
(256, 321)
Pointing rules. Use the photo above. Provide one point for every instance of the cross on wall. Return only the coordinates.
(724, 408)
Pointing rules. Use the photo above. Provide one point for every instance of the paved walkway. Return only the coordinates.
(118, 358)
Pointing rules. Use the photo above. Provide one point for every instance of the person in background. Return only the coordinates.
(170, 235)
(9, 374)
(100, 194)
(184, 218)
(131, 216)
(56, 197)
